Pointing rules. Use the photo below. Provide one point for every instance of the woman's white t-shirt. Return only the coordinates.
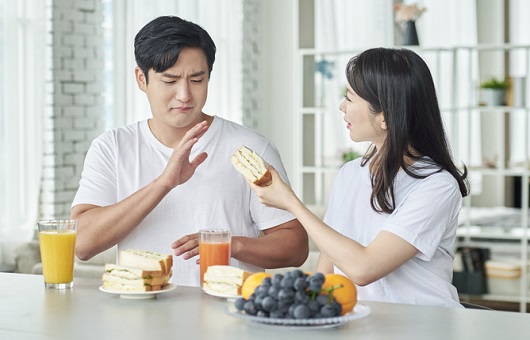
(425, 215)
(126, 159)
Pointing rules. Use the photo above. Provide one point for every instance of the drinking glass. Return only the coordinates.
(57, 250)
(214, 248)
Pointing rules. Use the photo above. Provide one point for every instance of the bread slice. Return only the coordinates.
(252, 166)
(135, 276)
(145, 260)
(129, 288)
(149, 277)
(224, 280)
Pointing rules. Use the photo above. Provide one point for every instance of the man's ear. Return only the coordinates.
(141, 80)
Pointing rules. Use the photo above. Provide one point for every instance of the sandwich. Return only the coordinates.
(252, 166)
(146, 260)
(128, 279)
(224, 280)
(138, 271)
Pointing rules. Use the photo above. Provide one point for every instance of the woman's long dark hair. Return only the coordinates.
(398, 83)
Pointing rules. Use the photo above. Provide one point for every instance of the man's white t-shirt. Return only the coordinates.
(124, 160)
(425, 215)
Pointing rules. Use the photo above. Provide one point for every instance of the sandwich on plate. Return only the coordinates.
(224, 280)
(138, 271)
(128, 279)
(252, 166)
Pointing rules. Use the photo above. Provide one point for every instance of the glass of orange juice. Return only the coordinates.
(214, 248)
(57, 251)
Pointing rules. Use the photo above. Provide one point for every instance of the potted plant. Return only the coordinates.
(494, 91)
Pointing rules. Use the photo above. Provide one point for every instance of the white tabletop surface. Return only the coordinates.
(30, 311)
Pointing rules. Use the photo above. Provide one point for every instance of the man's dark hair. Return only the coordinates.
(158, 44)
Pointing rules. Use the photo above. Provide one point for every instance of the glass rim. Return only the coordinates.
(64, 224)
(215, 231)
(57, 220)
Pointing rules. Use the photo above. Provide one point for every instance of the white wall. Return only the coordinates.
(278, 71)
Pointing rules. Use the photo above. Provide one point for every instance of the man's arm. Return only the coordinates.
(285, 245)
(100, 228)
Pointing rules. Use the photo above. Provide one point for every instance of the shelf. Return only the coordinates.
(519, 171)
(491, 233)
(318, 169)
(314, 110)
(484, 108)
(494, 297)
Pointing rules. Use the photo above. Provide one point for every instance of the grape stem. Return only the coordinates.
(328, 290)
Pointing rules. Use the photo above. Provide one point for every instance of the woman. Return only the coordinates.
(392, 215)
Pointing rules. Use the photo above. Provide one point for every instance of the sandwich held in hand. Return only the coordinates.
(138, 271)
(224, 280)
(252, 166)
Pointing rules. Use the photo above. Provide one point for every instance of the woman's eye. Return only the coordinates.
(346, 98)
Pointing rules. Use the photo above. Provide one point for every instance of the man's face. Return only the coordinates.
(178, 94)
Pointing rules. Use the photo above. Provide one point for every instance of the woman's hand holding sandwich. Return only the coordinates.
(277, 194)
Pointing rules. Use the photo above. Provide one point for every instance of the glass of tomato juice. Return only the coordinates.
(57, 251)
(214, 248)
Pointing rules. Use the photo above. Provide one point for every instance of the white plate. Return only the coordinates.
(360, 311)
(221, 295)
(139, 295)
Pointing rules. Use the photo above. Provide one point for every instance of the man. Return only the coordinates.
(142, 186)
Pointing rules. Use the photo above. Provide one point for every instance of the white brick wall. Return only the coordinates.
(74, 109)
(252, 50)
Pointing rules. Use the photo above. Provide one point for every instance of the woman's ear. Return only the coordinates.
(140, 79)
(382, 122)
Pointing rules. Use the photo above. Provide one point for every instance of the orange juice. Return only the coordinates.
(57, 249)
(213, 253)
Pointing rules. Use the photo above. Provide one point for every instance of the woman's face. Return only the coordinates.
(363, 124)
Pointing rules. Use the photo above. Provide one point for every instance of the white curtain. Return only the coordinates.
(223, 21)
(350, 26)
(22, 42)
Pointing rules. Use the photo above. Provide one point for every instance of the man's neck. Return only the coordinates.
(171, 136)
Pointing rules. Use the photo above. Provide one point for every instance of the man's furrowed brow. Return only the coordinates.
(175, 76)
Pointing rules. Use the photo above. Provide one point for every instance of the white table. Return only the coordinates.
(29, 311)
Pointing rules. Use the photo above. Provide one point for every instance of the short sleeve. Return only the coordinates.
(427, 215)
(98, 180)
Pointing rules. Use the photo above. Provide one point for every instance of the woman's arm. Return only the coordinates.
(363, 265)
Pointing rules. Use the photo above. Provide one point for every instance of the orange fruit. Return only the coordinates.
(250, 284)
(346, 295)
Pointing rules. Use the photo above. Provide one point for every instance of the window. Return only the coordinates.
(22, 37)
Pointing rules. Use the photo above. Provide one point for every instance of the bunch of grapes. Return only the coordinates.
(295, 295)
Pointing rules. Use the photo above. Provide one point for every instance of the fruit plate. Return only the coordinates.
(360, 311)
(222, 295)
(139, 295)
